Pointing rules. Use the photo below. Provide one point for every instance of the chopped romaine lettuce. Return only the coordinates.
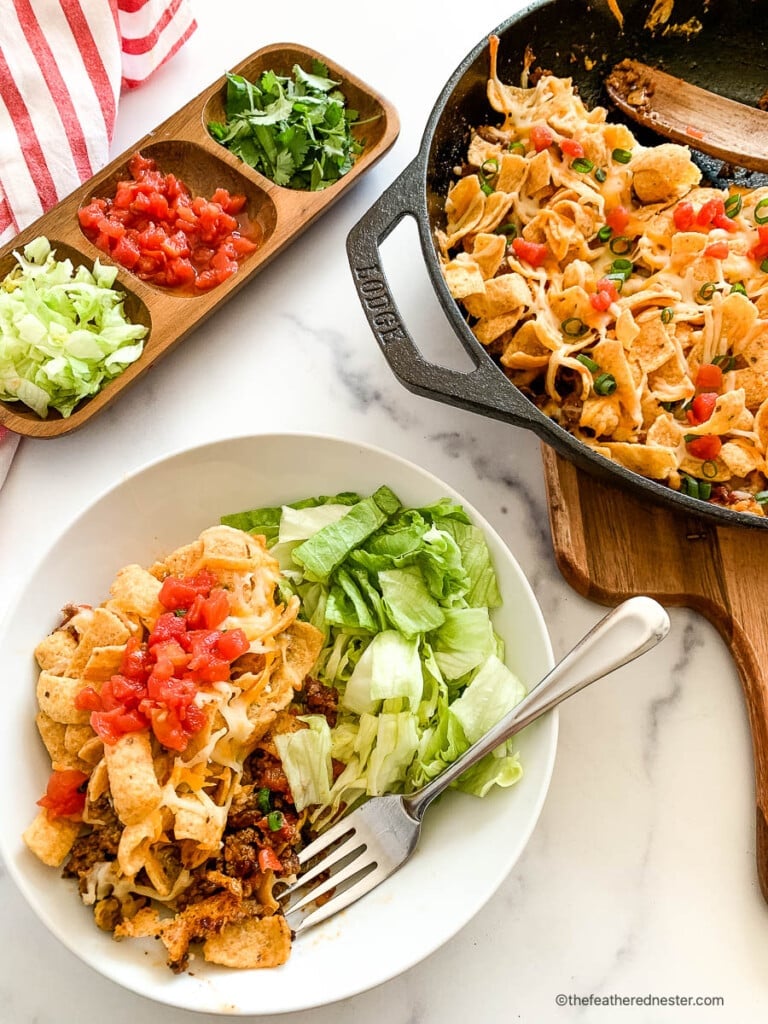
(306, 757)
(403, 598)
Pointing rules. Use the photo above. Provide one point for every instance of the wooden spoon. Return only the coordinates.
(672, 107)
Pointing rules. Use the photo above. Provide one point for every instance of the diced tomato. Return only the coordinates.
(709, 377)
(180, 592)
(152, 225)
(64, 794)
(168, 729)
(706, 447)
(123, 690)
(542, 137)
(111, 725)
(268, 860)
(179, 272)
(572, 148)
(709, 210)
(606, 294)
(718, 250)
(228, 202)
(127, 195)
(159, 680)
(242, 245)
(701, 408)
(136, 661)
(532, 252)
(88, 699)
(600, 301)
(126, 252)
(232, 644)
(723, 221)
(617, 218)
(167, 627)
(684, 216)
(208, 279)
(759, 251)
(138, 163)
(210, 612)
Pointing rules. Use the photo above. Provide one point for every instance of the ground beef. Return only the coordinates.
(320, 699)
(267, 772)
(93, 848)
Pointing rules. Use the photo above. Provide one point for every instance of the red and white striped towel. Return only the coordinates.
(63, 64)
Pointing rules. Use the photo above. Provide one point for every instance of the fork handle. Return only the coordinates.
(631, 629)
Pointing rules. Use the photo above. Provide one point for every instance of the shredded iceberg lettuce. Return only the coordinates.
(403, 596)
(63, 331)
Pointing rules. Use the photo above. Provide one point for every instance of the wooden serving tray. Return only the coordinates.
(182, 145)
(610, 545)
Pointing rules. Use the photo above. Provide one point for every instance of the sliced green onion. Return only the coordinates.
(709, 468)
(582, 165)
(764, 266)
(667, 315)
(618, 280)
(605, 233)
(739, 287)
(180, 613)
(690, 486)
(733, 205)
(509, 229)
(275, 821)
(605, 384)
(725, 362)
(620, 245)
(574, 327)
(516, 147)
(601, 174)
(761, 497)
(263, 800)
(668, 406)
(705, 490)
(488, 169)
(590, 364)
(761, 218)
(624, 267)
(621, 156)
(707, 290)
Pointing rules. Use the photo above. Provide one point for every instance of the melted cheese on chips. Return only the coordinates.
(155, 815)
(683, 297)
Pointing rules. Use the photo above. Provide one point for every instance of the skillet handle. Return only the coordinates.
(484, 389)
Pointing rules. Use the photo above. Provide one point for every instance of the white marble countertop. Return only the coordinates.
(639, 879)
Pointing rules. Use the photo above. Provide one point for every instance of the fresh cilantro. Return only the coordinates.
(295, 130)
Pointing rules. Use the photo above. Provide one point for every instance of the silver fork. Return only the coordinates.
(373, 841)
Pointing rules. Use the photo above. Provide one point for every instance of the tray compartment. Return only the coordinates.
(136, 311)
(281, 59)
(202, 172)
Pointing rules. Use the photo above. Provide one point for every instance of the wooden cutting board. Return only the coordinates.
(610, 545)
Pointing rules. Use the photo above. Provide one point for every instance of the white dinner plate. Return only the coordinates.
(468, 845)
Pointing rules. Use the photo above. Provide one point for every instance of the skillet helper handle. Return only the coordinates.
(484, 389)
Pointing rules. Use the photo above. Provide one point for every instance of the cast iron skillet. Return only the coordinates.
(729, 56)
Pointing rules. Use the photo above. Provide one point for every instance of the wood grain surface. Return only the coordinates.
(685, 113)
(610, 545)
(182, 145)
